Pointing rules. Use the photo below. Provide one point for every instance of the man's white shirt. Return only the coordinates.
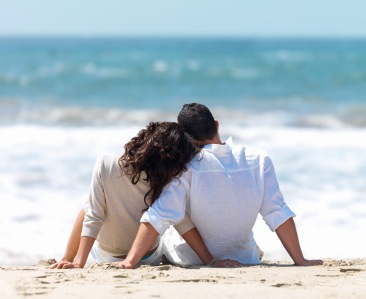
(223, 191)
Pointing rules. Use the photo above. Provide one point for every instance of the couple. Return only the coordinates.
(215, 191)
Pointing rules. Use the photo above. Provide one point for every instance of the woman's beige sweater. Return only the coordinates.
(115, 206)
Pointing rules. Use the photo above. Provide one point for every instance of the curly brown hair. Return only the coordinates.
(161, 151)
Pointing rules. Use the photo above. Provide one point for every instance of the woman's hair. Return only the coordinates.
(161, 151)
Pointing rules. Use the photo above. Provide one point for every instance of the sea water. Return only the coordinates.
(65, 101)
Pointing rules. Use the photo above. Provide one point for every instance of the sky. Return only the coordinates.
(263, 18)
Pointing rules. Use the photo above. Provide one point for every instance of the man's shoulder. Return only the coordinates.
(250, 152)
(251, 157)
(241, 158)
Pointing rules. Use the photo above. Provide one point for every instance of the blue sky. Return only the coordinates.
(324, 18)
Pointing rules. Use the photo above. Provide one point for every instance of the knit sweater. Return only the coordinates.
(115, 206)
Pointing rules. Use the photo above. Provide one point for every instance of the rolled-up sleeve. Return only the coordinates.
(170, 207)
(273, 209)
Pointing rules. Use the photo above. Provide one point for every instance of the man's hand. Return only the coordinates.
(226, 264)
(65, 265)
(310, 263)
(287, 233)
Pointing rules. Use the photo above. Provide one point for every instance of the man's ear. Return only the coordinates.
(217, 124)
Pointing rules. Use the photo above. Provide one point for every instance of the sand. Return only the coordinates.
(334, 279)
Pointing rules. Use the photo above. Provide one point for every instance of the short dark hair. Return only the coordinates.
(198, 121)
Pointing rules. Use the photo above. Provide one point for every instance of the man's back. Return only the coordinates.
(225, 198)
(225, 188)
(230, 185)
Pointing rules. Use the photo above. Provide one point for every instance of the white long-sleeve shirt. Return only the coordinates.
(223, 191)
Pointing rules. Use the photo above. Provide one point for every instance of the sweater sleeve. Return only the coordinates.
(96, 206)
(274, 209)
(170, 207)
(185, 225)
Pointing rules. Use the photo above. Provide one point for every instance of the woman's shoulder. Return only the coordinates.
(108, 163)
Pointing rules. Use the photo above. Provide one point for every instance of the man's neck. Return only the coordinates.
(215, 140)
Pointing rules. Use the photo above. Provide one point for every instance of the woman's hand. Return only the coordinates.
(65, 265)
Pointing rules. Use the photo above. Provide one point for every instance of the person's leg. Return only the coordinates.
(154, 258)
(177, 251)
(98, 256)
(260, 252)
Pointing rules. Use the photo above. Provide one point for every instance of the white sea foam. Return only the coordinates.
(287, 56)
(160, 66)
(105, 72)
(242, 73)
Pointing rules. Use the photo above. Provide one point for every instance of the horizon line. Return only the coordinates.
(180, 36)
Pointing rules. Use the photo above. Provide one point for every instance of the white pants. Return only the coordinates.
(178, 252)
(101, 256)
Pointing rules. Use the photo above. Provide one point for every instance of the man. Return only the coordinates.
(223, 191)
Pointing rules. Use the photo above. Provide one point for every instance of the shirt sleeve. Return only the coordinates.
(274, 209)
(185, 225)
(170, 207)
(96, 206)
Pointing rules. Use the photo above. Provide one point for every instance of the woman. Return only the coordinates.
(122, 188)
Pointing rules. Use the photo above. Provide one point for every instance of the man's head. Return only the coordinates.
(198, 121)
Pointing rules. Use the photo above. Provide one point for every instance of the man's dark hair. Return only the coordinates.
(198, 121)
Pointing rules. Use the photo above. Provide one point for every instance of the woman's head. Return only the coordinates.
(161, 151)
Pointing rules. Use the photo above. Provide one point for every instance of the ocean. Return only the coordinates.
(65, 101)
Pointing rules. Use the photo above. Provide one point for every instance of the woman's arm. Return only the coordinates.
(72, 246)
(73, 243)
(78, 248)
(86, 244)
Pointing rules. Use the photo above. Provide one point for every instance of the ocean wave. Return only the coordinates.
(104, 72)
(350, 118)
(355, 117)
(10, 79)
(15, 111)
(287, 56)
(319, 121)
(85, 116)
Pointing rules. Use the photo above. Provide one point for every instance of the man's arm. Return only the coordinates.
(145, 238)
(287, 233)
(193, 238)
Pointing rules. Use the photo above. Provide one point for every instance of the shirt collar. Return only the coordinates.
(220, 148)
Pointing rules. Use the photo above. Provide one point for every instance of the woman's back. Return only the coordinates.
(115, 206)
(122, 188)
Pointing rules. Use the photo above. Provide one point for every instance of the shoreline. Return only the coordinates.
(335, 279)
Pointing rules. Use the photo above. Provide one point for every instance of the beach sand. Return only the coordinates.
(334, 279)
